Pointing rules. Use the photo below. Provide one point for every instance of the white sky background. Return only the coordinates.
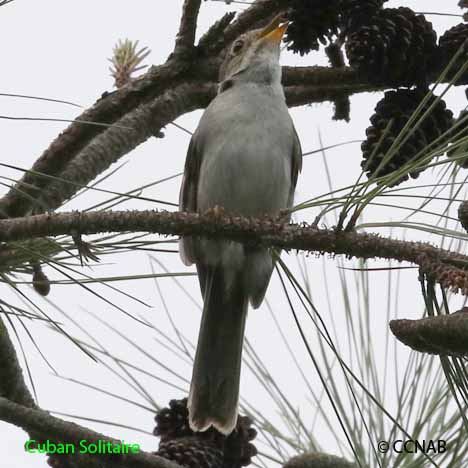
(58, 49)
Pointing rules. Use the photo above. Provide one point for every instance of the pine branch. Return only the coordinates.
(36, 421)
(12, 384)
(212, 38)
(13, 388)
(318, 460)
(108, 109)
(134, 128)
(448, 268)
(188, 27)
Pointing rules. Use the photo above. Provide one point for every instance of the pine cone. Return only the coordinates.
(423, 52)
(192, 452)
(239, 450)
(312, 22)
(395, 46)
(40, 281)
(355, 13)
(449, 44)
(397, 107)
(179, 443)
(172, 422)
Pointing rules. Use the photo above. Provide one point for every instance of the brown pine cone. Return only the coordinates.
(355, 13)
(392, 114)
(312, 22)
(172, 422)
(449, 44)
(395, 47)
(192, 452)
(239, 450)
(40, 281)
(179, 443)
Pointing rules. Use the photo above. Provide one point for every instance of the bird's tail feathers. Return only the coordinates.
(214, 390)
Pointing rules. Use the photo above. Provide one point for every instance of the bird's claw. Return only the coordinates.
(216, 212)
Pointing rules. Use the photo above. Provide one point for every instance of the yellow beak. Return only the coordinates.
(274, 32)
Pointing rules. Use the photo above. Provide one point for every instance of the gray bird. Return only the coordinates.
(245, 157)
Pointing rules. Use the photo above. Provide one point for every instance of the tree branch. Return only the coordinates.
(12, 384)
(185, 38)
(109, 109)
(36, 421)
(215, 34)
(13, 388)
(321, 77)
(302, 95)
(444, 266)
(318, 460)
(115, 142)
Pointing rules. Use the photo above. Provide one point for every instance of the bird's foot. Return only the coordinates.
(216, 212)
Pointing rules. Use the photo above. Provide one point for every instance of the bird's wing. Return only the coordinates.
(189, 187)
(188, 196)
(296, 165)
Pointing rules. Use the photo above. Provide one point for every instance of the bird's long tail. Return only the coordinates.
(214, 389)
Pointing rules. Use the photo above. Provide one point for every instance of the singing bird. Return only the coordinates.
(244, 157)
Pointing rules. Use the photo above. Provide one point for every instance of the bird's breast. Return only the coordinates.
(247, 150)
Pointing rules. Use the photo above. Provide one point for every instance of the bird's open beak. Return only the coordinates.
(274, 32)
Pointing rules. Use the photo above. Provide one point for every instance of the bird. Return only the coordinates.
(244, 158)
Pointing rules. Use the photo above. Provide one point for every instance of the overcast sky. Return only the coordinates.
(59, 49)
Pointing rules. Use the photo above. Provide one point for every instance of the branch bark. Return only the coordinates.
(36, 421)
(135, 128)
(188, 27)
(446, 267)
(12, 384)
(109, 109)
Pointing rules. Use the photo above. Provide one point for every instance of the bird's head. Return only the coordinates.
(254, 56)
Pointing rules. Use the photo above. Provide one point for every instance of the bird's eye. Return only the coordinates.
(237, 47)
